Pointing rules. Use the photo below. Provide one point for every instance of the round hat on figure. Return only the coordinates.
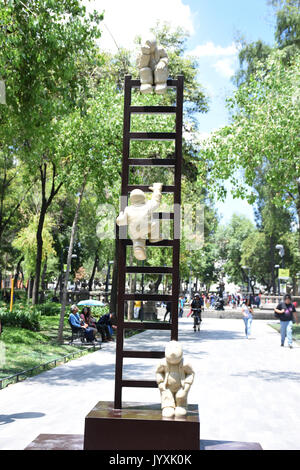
(137, 196)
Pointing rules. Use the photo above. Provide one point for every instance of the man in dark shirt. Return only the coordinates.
(168, 311)
(104, 325)
(196, 307)
(287, 312)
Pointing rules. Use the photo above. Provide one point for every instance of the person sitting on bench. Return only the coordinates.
(87, 319)
(76, 322)
(104, 326)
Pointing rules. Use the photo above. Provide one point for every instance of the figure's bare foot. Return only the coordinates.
(146, 88)
(160, 88)
(155, 240)
(168, 412)
(139, 253)
(180, 411)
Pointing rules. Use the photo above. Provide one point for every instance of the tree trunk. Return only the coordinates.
(94, 268)
(69, 259)
(39, 237)
(30, 287)
(18, 270)
(114, 283)
(158, 282)
(57, 284)
(39, 254)
(42, 296)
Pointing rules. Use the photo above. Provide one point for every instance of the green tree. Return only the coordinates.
(25, 242)
(229, 239)
(264, 133)
(41, 60)
(90, 142)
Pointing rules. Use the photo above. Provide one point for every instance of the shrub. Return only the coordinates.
(99, 311)
(48, 308)
(30, 320)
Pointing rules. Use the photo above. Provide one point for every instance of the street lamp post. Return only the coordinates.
(248, 278)
(280, 248)
(278, 266)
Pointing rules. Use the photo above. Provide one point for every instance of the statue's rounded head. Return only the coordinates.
(151, 42)
(173, 352)
(137, 196)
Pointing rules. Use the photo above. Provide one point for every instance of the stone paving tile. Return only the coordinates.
(247, 390)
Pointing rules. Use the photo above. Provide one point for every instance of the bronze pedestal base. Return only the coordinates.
(140, 427)
(57, 442)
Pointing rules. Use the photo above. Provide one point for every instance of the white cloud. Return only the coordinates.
(125, 20)
(222, 59)
(225, 67)
(211, 50)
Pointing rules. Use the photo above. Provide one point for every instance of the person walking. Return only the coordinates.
(181, 303)
(196, 307)
(247, 312)
(286, 312)
(137, 308)
(168, 311)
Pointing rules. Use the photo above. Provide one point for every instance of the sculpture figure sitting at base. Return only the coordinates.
(174, 380)
(153, 66)
(138, 217)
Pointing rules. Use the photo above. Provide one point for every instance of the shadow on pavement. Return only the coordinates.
(208, 335)
(136, 369)
(5, 419)
(270, 376)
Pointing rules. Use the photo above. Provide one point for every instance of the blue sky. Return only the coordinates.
(213, 26)
(218, 22)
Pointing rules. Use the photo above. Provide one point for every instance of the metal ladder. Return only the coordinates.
(122, 243)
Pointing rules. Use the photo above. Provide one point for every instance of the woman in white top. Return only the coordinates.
(247, 312)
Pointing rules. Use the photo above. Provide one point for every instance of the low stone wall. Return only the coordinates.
(237, 314)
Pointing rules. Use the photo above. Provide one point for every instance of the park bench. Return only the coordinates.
(77, 333)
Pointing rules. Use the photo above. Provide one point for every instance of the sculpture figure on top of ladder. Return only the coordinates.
(153, 65)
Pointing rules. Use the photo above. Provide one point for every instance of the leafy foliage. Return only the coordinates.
(22, 318)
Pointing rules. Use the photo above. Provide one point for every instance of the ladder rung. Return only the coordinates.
(148, 243)
(155, 297)
(169, 162)
(165, 189)
(149, 269)
(152, 135)
(138, 325)
(153, 109)
(139, 383)
(170, 83)
(144, 354)
(163, 215)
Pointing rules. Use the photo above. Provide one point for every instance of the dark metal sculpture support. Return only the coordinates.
(123, 242)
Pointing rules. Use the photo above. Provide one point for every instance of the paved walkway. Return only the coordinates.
(247, 390)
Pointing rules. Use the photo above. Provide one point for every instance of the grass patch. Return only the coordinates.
(296, 330)
(24, 349)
